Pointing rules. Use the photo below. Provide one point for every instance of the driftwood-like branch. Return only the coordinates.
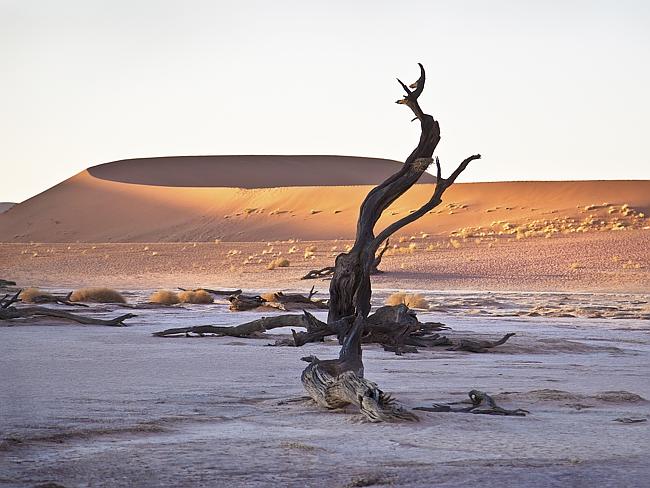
(7, 301)
(477, 345)
(481, 403)
(11, 313)
(315, 274)
(44, 297)
(252, 328)
(279, 300)
(396, 328)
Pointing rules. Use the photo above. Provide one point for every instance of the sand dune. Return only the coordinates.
(259, 198)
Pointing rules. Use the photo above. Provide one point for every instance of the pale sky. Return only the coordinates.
(544, 90)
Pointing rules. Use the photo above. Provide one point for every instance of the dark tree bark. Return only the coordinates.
(350, 288)
(328, 271)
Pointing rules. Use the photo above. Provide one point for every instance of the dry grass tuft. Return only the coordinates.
(411, 300)
(97, 295)
(278, 263)
(34, 295)
(164, 297)
(195, 296)
(270, 297)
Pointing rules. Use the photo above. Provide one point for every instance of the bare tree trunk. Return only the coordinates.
(350, 288)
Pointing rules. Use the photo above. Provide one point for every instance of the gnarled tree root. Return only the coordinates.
(348, 388)
(481, 403)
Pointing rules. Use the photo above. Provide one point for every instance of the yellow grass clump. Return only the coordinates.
(278, 263)
(34, 295)
(164, 297)
(269, 297)
(411, 300)
(97, 295)
(195, 296)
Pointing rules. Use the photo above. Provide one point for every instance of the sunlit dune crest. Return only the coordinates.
(302, 197)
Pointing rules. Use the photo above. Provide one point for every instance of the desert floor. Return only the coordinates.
(102, 406)
(591, 261)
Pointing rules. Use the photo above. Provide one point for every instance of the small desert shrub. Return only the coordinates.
(278, 263)
(309, 254)
(195, 296)
(164, 297)
(311, 249)
(34, 295)
(411, 300)
(269, 297)
(97, 295)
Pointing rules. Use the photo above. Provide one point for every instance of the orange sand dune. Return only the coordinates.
(259, 198)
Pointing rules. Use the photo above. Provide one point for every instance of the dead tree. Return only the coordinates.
(338, 382)
(350, 288)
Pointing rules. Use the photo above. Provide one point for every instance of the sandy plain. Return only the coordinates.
(100, 406)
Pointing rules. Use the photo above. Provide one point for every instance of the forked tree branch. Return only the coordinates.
(441, 185)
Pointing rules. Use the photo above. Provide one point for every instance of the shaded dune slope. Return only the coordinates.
(259, 198)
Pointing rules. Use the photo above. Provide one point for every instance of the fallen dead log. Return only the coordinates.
(395, 327)
(252, 328)
(477, 345)
(480, 403)
(279, 300)
(242, 303)
(11, 313)
(34, 295)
